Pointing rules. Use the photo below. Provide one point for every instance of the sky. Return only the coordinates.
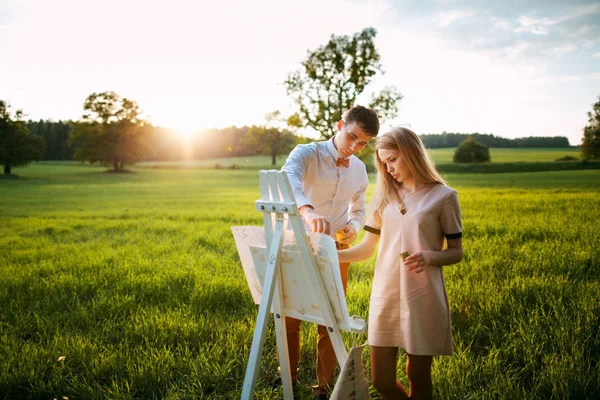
(511, 68)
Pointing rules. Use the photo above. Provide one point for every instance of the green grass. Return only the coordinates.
(440, 156)
(501, 155)
(135, 279)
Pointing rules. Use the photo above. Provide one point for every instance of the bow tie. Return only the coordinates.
(342, 162)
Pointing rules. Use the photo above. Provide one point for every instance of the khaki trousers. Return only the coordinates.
(326, 359)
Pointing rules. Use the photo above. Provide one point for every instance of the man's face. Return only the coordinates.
(351, 138)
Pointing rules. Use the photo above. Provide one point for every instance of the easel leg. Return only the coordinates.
(338, 346)
(282, 345)
(271, 276)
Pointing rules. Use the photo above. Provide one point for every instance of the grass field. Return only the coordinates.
(440, 156)
(499, 155)
(134, 278)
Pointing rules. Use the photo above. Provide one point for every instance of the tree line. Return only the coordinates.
(234, 141)
(444, 139)
(231, 141)
(55, 135)
(168, 145)
(112, 132)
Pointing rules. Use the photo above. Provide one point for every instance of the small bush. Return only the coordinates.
(471, 151)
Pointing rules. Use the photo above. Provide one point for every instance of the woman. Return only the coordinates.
(414, 213)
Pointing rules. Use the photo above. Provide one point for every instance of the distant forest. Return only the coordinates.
(168, 145)
(228, 142)
(439, 140)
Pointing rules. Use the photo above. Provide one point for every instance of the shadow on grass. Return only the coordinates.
(10, 177)
(125, 171)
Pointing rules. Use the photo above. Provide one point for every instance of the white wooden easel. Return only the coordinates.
(318, 276)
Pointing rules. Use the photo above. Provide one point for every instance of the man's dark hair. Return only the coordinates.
(364, 117)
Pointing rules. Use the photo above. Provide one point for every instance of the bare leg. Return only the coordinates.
(418, 369)
(383, 373)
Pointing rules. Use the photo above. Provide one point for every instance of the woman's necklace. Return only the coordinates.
(402, 206)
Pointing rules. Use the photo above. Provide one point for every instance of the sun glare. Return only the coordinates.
(186, 131)
(174, 117)
(183, 127)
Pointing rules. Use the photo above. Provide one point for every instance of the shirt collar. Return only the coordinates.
(336, 154)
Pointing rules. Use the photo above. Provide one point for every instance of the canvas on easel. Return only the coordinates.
(290, 273)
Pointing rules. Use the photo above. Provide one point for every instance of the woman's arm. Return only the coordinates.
(453, 253)
(361, 251)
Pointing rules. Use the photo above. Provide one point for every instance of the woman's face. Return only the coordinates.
(393, 161)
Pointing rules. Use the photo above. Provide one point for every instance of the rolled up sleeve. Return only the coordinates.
(295, 168)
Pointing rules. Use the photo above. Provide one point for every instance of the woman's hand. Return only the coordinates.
(417, 262)
(362, 251)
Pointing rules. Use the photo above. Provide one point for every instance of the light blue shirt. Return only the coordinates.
(336, 193)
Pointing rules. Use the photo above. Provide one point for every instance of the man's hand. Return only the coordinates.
(349, 235)
(316, 222)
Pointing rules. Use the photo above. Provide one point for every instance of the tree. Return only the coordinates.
(271, 139)
(111, 131)
(471, 151)
(590, 147)
(332, 78)
(56, 138)
(17, 147)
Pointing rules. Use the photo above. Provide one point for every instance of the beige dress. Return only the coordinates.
(410, 310)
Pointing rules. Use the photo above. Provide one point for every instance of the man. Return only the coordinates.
(329, 184)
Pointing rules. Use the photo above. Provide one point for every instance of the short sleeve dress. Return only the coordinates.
(410, 310)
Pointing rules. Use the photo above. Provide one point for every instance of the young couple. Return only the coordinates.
(416, 216)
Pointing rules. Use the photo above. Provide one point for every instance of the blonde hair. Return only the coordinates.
(417, 161)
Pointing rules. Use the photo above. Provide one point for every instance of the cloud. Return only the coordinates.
(8, 11)
(536, 26)
(556, 79)
(445, 19)
(560, 50)
(548, 28)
